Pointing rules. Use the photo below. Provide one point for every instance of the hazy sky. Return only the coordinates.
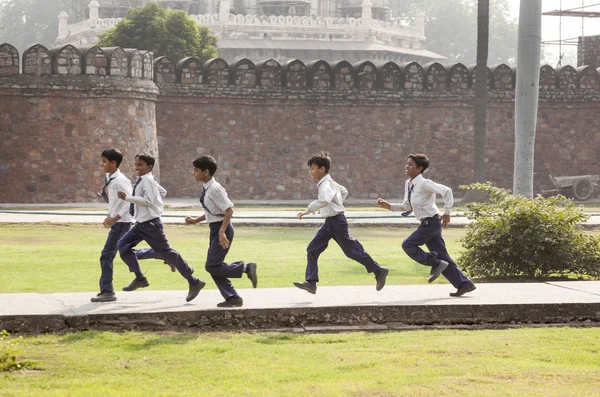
(571, 27)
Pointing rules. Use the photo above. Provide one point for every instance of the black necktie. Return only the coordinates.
(137, 182)
(202, 196)
(411, 187)
(103, 191)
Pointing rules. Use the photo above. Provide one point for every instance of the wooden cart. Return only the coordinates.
(581, 187)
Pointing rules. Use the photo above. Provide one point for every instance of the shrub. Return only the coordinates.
(515, 236)
(8, 353)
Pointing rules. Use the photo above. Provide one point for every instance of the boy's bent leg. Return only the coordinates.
(454, 275)
(412, 244)
(352, 248)
(318, 244)
(153, 233)
(215, 265)
(148, 253)
(108, 255)
(125, 246)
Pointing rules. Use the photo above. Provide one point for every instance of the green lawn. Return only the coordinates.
(521, 362)
(65, 258)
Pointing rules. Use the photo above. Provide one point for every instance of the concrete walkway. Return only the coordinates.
(332, 308)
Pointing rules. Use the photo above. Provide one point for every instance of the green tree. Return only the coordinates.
(164, 32)
(451, 28)
(29, 22)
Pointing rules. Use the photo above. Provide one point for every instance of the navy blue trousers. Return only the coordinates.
(220, 271)
(108, 254)
(152, 233)
(429, 233)
(336, 227)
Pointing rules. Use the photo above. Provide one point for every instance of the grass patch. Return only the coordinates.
(65, 258)
(520, 362)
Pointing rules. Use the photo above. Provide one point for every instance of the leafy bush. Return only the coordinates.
(8, 353)
(514, 236)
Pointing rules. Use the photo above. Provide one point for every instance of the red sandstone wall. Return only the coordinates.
(262, 147)
(51, 141)
(262, 122)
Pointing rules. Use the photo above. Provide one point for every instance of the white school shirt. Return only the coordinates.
(422, 199)
(216, 200)
(118, 183)
(330, 198)
(147, 199)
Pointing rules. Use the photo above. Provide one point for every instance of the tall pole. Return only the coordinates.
(481, 89)
(526, 94)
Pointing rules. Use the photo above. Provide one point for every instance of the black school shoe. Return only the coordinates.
(437, 270)
(251, 272)
(463, 289)
(137, 283)
(233, 301)
(380, 277)
(309, 286)
(195, 289)
(105, 297)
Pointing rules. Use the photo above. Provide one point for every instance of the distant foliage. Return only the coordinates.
(164, 32)
(514, 236)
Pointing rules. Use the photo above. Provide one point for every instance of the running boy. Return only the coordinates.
(331, 195)
(419, 196)
(147, 207)
(218, 210)
(118, 220)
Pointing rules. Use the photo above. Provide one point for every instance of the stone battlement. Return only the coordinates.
(271, 75)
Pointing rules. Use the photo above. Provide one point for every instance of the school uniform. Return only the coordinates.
(419, 197)
(331, 196)
(146, 204)
(215, 201)
(113, 184)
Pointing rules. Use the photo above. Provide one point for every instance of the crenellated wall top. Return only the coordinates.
(271, 75)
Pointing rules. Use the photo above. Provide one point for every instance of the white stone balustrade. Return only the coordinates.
(397, 27)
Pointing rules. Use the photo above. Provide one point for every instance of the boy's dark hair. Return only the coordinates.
(420, 160)
(321, 160)
(146, 158)
(113, 155)
(206, 163)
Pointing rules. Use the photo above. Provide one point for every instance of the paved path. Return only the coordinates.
(276, 308)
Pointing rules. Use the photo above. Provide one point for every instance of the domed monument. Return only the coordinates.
(353, 30)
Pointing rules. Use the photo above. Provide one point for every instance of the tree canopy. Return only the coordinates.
(28, 22)
(164, 32)
(451, 28)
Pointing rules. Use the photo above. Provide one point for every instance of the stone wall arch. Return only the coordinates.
(66, 60)
(215, 72)
(436, 77)
(458, 78)
(268, 74)
(189, 71)
(391, 77)
(37, 61)
(242, 73)
(319, 75)
(414, 76)
(366, 75)
(9, 60)
(294, 75)
(164, 71)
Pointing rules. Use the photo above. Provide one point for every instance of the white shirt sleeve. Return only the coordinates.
(404, 205)
(325, 195)
(219, 196)
(148, 192)
(443, 191)
(122, 207)
(161, 190)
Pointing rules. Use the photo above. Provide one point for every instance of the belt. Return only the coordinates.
(425, 221)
